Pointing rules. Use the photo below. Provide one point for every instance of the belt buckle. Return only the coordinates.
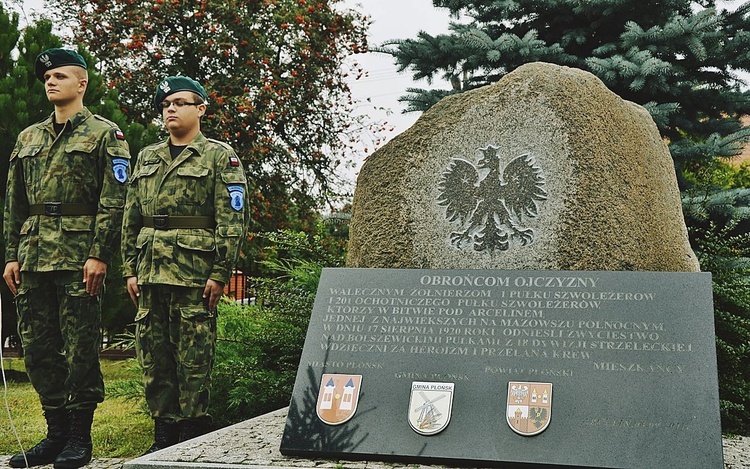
(161, 222)
(53, 209)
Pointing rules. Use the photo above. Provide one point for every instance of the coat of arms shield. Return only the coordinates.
(430, 406)
(529, 407)
(338, 397)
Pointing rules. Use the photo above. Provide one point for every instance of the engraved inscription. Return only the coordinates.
(501, 317)
(489, 210)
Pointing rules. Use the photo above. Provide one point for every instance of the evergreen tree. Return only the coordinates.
(22, 102)
(22, 97)
(677, 58)
(681, 60)
(719, 228)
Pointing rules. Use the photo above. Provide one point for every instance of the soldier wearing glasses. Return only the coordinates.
(185, 217)
(63, 212)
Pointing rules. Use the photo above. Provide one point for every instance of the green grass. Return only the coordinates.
(120, 430)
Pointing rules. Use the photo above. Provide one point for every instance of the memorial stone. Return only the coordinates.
(488, 318)
(546, 169)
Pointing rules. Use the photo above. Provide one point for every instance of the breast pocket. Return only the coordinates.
(79, 163)
(29, 151)
(192, 186)
(144, 181)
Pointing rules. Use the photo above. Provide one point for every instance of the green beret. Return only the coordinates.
(53, 58)
(172, 85)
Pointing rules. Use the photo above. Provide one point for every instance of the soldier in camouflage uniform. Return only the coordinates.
(63, 212)
(184, 219)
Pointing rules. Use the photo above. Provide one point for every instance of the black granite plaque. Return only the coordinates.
(621, 368)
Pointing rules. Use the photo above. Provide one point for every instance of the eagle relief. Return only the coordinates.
(489, 210)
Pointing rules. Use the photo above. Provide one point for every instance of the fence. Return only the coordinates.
(237, 286)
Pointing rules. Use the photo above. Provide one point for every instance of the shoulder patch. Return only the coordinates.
(236, 197)
(118, 134)
(120, 167)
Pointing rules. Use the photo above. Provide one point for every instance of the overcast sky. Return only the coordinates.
(393, 19)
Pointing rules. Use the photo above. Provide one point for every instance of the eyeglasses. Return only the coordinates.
(178, 103)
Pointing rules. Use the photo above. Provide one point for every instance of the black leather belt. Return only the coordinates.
(59, 209)
(173, 222)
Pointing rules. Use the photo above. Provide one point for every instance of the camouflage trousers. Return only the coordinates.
(175, 344)
(59, 327)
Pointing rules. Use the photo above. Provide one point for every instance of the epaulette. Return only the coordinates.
(103, 119)
(219, 142)
(234, 160)
(115, 128)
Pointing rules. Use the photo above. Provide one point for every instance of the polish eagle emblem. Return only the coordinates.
(490, 210)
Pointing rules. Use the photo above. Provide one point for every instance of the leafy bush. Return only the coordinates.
(719, 225)
(259, 346)
(718, 172)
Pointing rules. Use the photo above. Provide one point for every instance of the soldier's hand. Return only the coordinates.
(132, 285)
(213, 292)
(94, 271)
(12, 276)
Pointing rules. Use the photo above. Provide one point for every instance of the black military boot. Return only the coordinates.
(77, 451)
(45, 452)
(193, 428)
(166, 434)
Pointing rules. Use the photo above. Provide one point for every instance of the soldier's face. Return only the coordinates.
(64, 84)
(182, 119)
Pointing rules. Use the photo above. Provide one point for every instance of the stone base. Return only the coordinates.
(254, 444)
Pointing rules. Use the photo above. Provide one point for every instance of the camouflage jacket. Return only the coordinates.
(86, 164)
(205, 180)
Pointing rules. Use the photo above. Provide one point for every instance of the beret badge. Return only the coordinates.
(171, 85)
(54, 58)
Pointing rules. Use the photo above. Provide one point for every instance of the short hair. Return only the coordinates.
(81, 73)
